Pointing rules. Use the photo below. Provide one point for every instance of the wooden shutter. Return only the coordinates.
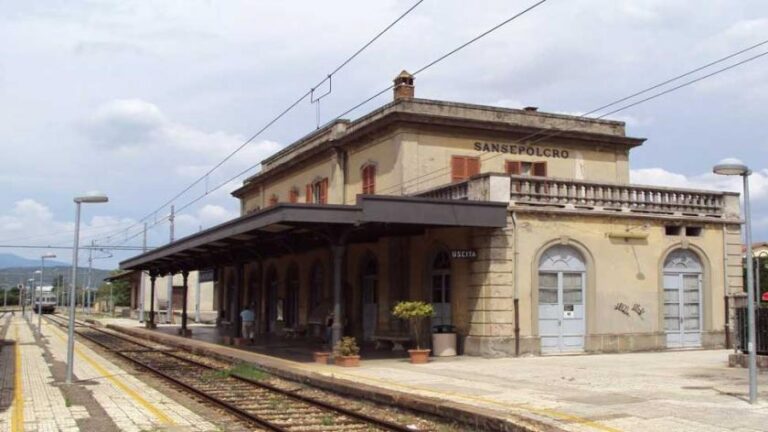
(308, 193)
(513, 167)
(293, 195)
(323, 184)
(540, 169)
(273, 200)
(369, 179)
(473, 166)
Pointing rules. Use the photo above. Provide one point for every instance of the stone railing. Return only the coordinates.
(549, 192)
(453, 191)
(537, 191)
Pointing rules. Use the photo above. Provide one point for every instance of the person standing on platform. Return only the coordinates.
(248, 316)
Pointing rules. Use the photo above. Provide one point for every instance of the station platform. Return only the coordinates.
(672, 390)
(102, 397)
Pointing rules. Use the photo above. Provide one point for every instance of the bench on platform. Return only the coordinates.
(396, 339)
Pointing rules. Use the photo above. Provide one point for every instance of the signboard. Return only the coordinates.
(521, 149)
(463, 254)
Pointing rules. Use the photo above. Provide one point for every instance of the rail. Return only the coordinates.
(260, 403)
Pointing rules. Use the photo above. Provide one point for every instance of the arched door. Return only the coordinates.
(682, 299)
(441, 288)
(562, 279)
(291, 313)
(369, 285)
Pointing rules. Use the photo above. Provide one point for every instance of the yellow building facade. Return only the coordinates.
(586, 261)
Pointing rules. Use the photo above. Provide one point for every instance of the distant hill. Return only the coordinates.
(10, 260)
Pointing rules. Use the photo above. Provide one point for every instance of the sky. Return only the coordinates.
(138, 99)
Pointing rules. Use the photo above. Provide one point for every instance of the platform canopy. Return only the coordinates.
(292, 228)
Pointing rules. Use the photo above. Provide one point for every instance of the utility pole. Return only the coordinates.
(169, 319)
(141, 278)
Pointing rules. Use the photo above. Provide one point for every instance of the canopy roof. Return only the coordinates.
(293, 228)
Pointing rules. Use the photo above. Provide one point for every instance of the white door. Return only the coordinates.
(441, 298)
(682, 309)
(562, 312)
(682, 299)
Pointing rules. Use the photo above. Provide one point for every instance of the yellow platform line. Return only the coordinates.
(161, 416)
(17, 418)
(525, 407)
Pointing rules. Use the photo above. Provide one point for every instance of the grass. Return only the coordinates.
(67, 402)
(242, 370)
(327, 420)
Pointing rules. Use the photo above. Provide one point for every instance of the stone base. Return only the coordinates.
(742, 360)
(185, 333)
(499, 346)
(150, 325)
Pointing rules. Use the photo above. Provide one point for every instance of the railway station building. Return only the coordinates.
(521, 227)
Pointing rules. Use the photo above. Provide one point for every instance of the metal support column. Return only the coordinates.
(152, 279)
(184, 278)
(236, 301)
(338, 250)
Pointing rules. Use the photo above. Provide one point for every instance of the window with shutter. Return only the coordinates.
(514, 167)
(324, 191)
(293, 195)
(369, 179)
(540, 169)
(464, 167)
(273, 200)
(308, 192)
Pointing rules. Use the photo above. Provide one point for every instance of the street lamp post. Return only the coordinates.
(40, 302)
(736, 167)
(96, 198)
(31, 294)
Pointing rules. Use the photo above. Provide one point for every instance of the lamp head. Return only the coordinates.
(48, 255)
(731, 166)
(92, 198)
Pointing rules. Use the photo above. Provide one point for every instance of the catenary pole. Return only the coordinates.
(171, 219)
(142, 285)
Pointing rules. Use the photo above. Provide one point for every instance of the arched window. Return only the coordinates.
(368, 174)
(441, 288)
(562, 280)
(292, 285)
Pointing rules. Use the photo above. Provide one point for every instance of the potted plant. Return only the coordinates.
(346, 352)
(321, 356)
(415, 312)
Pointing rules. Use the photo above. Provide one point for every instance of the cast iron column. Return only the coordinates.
(338, 260)
(184, 278)
(236, 304)
(151, 322)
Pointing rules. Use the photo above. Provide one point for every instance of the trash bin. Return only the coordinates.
(444, 341)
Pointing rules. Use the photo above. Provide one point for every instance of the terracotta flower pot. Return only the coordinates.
(321, 357)
(347, 361)
(419, 356)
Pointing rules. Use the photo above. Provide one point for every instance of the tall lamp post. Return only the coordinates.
(43, 257)
(90, 199)
(736, 167)
(31, 295)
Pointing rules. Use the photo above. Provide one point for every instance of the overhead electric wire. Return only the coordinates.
(279, 116)
(546, 135)
(421, 69)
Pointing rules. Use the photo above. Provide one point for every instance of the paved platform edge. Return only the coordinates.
(479, 417)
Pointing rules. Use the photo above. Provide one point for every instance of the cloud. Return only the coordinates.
(758, 181)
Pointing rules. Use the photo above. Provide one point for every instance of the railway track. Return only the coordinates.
(260, 403)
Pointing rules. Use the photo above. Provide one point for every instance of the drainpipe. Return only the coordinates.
(516, 301)
(725, 290)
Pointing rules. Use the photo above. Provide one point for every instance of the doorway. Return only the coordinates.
(369, 284)
(682, 299)
(562, 281)
(441, 289)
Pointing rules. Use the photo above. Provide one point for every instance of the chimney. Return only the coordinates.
(404, 88)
